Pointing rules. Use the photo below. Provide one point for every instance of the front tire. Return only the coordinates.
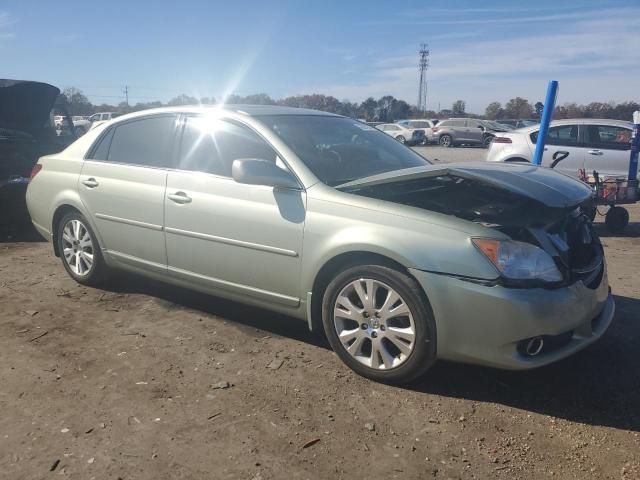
(379, 324)
(79, 250)
(401, 139)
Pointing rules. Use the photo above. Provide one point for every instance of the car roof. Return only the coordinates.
(579, 121)
(249, 110)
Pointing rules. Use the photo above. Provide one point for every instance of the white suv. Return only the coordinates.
(585, 143)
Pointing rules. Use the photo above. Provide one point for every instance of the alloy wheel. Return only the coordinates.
(77, 247)
(374, 324)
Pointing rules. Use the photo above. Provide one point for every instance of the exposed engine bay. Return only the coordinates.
(565, 233)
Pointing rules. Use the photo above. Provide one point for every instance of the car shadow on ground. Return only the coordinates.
(19, 233)
(632, 230)
(598, 386)
(246, 317)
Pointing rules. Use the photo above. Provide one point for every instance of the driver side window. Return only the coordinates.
(211, 145)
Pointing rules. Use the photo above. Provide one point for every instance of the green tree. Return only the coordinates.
(518, 108)
(77, 102)
(458, 108)
(494, 110)
(539, 107)
(183, 99)
(367, 109)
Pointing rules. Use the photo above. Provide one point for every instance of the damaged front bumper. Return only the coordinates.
(485, 325)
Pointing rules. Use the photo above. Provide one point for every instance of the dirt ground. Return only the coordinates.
(147, 381)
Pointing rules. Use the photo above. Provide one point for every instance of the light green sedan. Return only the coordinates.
(330, 221)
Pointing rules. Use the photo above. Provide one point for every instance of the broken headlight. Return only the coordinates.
(519, 261)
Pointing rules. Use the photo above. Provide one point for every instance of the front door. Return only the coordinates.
(244, 239)
(122, 185)
(475, 132)
(607, 150)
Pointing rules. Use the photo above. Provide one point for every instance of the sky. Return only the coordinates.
(480, 51)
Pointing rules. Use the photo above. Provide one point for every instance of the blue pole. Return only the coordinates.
(547, 113)
(635, 147)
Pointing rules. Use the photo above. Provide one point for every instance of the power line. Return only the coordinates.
(423, 65)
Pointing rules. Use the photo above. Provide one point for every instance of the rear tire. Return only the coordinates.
(401, 139)
(393, 330)
(486, 140)
(79, 250)
(446, 141)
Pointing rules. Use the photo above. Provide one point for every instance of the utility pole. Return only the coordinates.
(423, 65)
(126, 94)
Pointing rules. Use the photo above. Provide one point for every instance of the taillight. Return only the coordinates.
(35, 170)
(502, 140)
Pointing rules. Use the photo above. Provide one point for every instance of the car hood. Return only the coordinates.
(541, 184)
(26, 104)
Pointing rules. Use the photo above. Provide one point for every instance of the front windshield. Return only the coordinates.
(338, 150)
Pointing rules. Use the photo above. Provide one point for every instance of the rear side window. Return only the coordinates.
(211, 145)
(608, 137)
(563, 135)
(101, 152)
(144, 142)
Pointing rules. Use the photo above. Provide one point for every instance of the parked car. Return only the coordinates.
(28, 111)
(517, 123)
(82, 126)
(328, 220)
(584, 143)
(467, 131)
(422, 124)
(403, 134)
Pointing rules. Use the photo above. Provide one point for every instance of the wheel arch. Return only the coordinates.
(341, 262)
(64, 205)
(58, 214)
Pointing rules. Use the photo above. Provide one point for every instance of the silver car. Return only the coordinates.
(332, 222)
(572, 145)
(467, 131)
(403, 133)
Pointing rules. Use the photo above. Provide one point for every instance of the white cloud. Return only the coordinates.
(5, 22)
(593, 57)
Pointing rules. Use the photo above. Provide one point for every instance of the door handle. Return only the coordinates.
(179, 197)
(90, 183)
(594, 152)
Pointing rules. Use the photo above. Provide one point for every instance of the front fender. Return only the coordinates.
(412, 243)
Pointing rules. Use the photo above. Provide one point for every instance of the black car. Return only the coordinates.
(27, 132)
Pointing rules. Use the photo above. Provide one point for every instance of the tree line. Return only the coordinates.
(384, 109)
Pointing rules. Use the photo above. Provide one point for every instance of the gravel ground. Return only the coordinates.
(452, 155)
(146, 381)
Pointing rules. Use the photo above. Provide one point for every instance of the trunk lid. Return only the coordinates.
(26, 104)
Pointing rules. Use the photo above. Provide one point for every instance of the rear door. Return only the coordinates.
(607, 150)
(563, 150)
(223, 235)
(122, 185)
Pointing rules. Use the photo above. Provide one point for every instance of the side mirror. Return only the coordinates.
(255, 171)
(481, 128)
